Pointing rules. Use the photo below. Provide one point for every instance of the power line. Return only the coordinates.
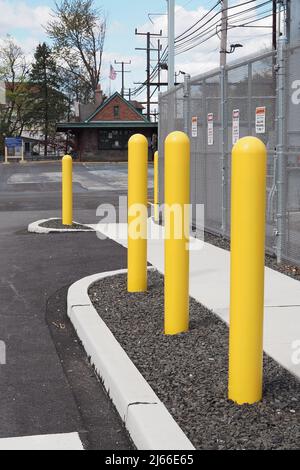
(148, 50)
(197, 22)
(123, 71)
(183, 44)
(211, 27)
(213, 34)
(181, 37)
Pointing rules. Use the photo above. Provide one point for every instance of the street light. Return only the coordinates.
(233, 47)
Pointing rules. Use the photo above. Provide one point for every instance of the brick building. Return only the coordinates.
(103, 135)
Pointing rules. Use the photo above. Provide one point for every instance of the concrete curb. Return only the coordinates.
(35, 227)
(147, 420)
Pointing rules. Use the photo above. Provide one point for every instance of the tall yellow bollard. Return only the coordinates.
(137, 213)
(67, 190)
(177, 200)
(248, 211)
(156, 185)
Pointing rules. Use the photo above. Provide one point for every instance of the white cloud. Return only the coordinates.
(206, 56)
(21, 15)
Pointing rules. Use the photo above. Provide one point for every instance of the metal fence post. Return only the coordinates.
(186, 103)
(160, 150)
(224, 131)
(281, 149)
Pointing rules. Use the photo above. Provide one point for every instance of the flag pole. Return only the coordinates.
(110, 81)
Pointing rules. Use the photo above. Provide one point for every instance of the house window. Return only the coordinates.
(114, 139)
(116, 112)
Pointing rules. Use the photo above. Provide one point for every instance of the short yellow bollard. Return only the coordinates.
(137, 213)
(156, 185)
(67, 190)
(177, 200)
(248, 211)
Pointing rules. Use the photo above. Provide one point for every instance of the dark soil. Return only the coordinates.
(58, 225)
(189, 372)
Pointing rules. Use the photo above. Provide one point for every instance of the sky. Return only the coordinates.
(25, 21)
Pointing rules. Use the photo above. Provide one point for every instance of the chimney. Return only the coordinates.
(98, 95)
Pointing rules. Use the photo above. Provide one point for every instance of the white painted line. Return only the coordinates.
(150, 424)
(47, 442)
(35, 227)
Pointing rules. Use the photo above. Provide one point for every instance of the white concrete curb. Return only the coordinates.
(35, 227)
(148, 421)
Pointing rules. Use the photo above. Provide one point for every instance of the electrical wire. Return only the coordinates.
(213, 34)
(212, 27)
(183, 44)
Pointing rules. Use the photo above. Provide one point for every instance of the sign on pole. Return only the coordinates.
(260, 120)
(194, 126)
(235, 126)
(13, 142)
(16, 147)
(210, 129)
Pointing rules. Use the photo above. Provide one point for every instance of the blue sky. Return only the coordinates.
(23, 19)
(123, 17)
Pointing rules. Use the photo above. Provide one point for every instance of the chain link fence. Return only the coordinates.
(261, 97)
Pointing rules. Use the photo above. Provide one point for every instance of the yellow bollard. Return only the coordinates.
(248, 211)
(177, 200)
(137, 213)
(67, 190)
(156, 184)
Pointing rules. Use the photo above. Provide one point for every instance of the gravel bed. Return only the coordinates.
(58, 225)
(189, 372)
(270, 261)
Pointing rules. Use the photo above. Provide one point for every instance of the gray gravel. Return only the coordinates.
(270, 261)
(189, 372)
(57, 224)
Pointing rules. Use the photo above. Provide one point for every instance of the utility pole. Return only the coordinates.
(224, 33)
(158, 61)
(148, 50)
(171, 43)
(123, 71)
(128, 94)
(274, 30)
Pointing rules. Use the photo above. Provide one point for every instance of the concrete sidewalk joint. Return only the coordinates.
(146, 418)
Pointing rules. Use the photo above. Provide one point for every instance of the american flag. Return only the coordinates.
(113, 73)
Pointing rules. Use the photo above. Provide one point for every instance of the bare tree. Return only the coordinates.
(78, 30)
(15, 115)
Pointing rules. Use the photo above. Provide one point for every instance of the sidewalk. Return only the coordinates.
(210, 285)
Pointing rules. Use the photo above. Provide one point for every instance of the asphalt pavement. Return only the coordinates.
(47, 385)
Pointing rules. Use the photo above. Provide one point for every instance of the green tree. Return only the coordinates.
(50, 105)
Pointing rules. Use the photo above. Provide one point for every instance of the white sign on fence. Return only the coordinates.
(194, 126)
(260, 120)
(210, 129)
(235, 126)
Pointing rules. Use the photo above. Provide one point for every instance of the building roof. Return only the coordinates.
(136, 104)
(67, 126)
(111, 98)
